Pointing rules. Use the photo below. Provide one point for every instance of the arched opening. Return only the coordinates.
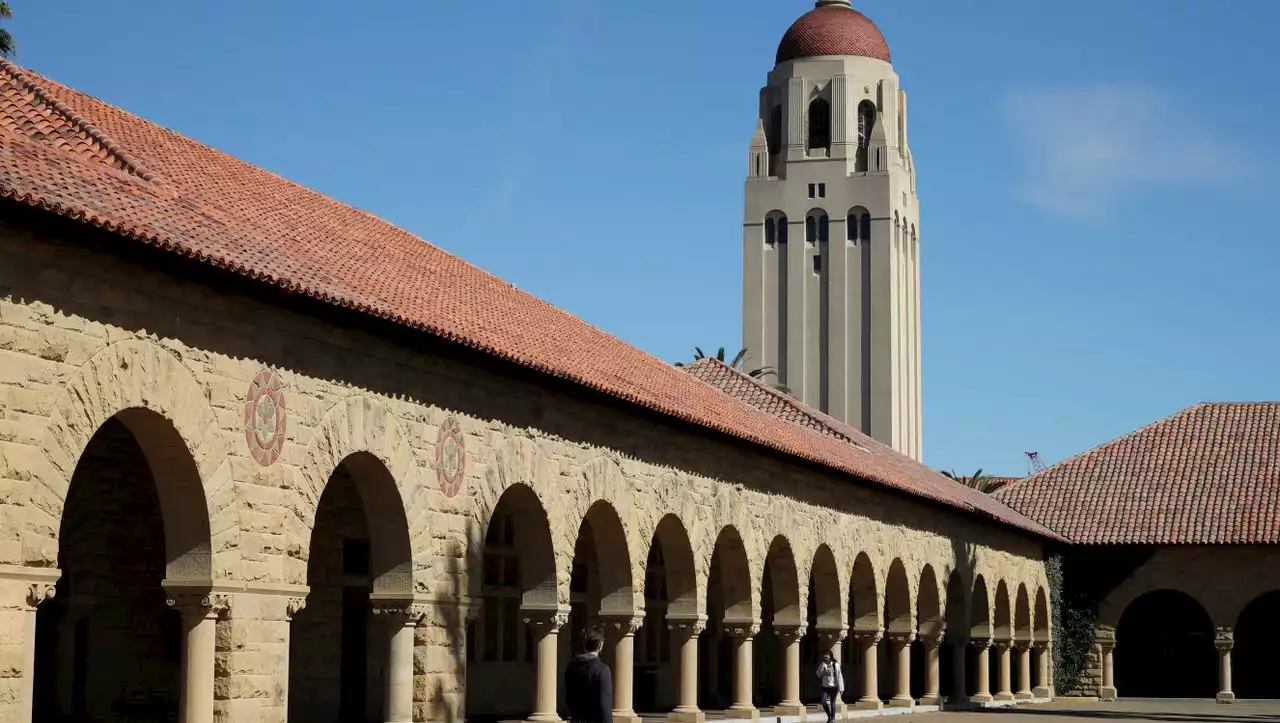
(1043, 633)
(729, 599)
(864, 616)
(824, 619)
(897, 621)
(1022, 615)
(670, 594)
(1257, 638)
(518, 571)
(979, 630)
(1002, 632)
(107, 646)
(773, 135)
(858, 226)
(929, 625)
(1164, 648)
(817, 227)
(819, 124)
(600, 583)
(866, 124)
(779, 610)
(956, 642)
(338, 653)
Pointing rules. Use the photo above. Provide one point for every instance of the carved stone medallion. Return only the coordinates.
(451, 458)
(264, 418)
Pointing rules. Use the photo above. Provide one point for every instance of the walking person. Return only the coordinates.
(588, 684)
(832, 684)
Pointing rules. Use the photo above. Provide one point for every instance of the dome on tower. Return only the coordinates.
(833, 27)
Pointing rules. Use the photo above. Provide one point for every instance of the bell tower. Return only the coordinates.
(831, 256)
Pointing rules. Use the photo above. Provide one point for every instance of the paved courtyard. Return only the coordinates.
(1080, 711)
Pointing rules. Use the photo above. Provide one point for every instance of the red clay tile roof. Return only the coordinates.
(199, 203)
(1209, 474)
(786, 407)
(833, 29)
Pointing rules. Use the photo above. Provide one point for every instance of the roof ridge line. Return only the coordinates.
(131, 164)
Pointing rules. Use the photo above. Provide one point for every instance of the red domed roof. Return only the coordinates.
(833, 28)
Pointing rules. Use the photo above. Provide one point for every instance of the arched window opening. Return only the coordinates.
(817, 227)
(865, 233)
(811, 229)
(866, 124)
(770, 232)
(773, 136)
(819, 123)
(781, 229)
(1256, 639)
(1164, 648)
(857, 226)
(775, 229)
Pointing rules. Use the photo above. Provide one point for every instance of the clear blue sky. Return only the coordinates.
(1097, 179)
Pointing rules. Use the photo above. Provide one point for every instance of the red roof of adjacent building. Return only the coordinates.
(76, 156)
(833, 28)
(1209, 474)
(787, 408)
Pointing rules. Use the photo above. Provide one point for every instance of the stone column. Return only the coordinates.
(1044, 661)
(1106, 640)
(789, 636)
(868, 640)
(932, 668)
(959, 662)
(1224, 640)
(833, 639)
(742, 632)
(1024, 670)
(685, 632)
(401, 619)
(623, 631)
(982, 694)
(1004, 658)
(294, 606)
(900, 649)
(545, 625)
(200, 614)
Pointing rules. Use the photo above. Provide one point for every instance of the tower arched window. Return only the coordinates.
(866, 124)
(775, 229)
(773, 134)
(858, 225)
(819, 123)
(817, 227)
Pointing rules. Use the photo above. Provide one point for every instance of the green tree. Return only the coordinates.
(984, 483)
(7, 46)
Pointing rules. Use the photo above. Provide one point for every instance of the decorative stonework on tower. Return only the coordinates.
(831, 270)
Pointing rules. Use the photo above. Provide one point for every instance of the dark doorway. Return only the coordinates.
(1257, 637)
(355, 635)
(1164, 648)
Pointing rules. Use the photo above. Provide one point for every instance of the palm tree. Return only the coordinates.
(984, 483)
(7, 46)
(738, 362)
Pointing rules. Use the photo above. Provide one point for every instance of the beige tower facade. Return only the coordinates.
(831, 230)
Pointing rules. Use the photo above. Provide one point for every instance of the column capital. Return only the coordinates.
(1106, 639)
(790, 632)
(933, 641)
(623, 625)
(1022, 645)
(294, 606)
(1042, 644)
(206, 606)
(980, 643)
(38, 592)
(868, 637)
(687, 627)
(742, 629)
(1224, 638)
(1002, 645)
(404, 612)
(832, 636)
(548, 620)
(901, 638)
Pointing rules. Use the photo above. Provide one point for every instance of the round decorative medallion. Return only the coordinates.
(264, 418)
(451, 458)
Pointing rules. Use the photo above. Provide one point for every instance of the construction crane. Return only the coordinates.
(1037, 464)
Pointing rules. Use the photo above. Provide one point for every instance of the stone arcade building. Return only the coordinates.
(266, 458)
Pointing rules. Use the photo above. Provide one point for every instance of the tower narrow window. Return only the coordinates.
(866, 124)
(819, 123)
(865, 234)
(773, 134)
(782, 229)
(811, 229)
(770, 232)
(817, 227)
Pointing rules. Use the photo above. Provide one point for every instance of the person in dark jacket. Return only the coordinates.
(588, 684)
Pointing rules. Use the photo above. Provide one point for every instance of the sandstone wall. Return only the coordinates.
(84, 335)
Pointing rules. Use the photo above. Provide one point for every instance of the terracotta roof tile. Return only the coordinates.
(833, 29)
(1209, 474)
(200, 203)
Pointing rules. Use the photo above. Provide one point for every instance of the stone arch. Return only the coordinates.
(957, 608)
(928, 605)
(825, 582)
(1043, 623)
(539, 580)
(1002, 627)
(361, 433)
(670, 496)
(613, 559)
(864, 595)
(163, 405)
(1165, 648)
(980, 610)
(780, 565)
(897, 599)
(1022, 614)
(732, 565)
(672, 539)
(1256, 638)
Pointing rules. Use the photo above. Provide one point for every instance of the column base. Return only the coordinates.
(1226, 696)
(931, 700)
(980, 698)
(544, 718)
(1023, 695)
(745, 713)
(1107, 694)
(1004, 696)
(795, 709)
(625, 716)
(868, 704)
(1042, 691)
(907, 702)
(686, 716)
